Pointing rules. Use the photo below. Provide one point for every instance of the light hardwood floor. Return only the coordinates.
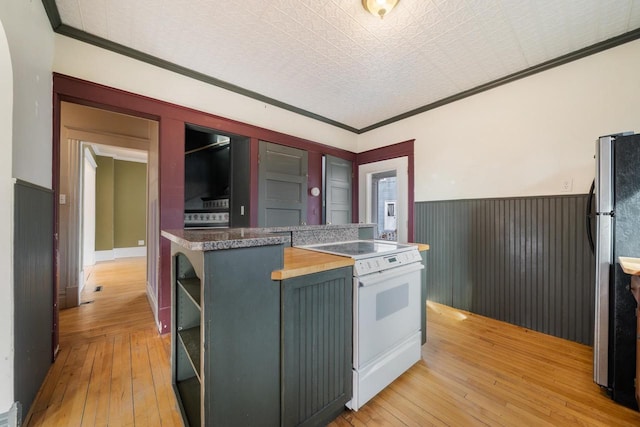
(113, 369)
(477, 371)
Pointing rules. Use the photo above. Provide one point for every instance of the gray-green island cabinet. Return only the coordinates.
(226, 338)
(316, 346)
(248, 350)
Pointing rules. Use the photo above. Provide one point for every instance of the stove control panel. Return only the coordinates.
(385, 262)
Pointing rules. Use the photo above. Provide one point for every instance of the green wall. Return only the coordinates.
(121, 203)
(130, 204)
(104, 203)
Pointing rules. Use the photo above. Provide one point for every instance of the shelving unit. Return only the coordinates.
(186, 340)
(226, 336)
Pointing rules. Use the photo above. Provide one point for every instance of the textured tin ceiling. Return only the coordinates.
(333, 59)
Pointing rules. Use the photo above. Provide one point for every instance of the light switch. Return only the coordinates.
(63, 199)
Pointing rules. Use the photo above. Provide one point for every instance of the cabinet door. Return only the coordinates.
(282, 186)
(316, 346)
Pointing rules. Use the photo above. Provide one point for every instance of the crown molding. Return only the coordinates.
(60, 28)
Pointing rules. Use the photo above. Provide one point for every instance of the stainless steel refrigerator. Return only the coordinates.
(617, 233)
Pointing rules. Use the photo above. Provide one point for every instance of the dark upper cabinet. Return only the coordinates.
(216, 185)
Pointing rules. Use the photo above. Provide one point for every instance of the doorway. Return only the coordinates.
(384, 197)
(93, 141)
(114, 216)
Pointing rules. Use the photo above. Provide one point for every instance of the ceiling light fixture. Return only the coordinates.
(379, 8)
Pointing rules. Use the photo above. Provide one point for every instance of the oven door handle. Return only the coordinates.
(383, 276)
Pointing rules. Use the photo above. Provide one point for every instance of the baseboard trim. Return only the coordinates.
(105, 255)
(136, 251)
(62, 298)
(154, 306)
(72, 296)
(117, 253)
(13, 417)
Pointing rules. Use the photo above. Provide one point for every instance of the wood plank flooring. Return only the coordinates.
(113, 370)
(477, 371)
(113, 367)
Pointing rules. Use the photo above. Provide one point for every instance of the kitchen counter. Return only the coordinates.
(630, 265)
(317, 227)
(299, 262)
(421, 246)
(324, 233)
(224, 238)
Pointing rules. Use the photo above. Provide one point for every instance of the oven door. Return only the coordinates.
(387, 306)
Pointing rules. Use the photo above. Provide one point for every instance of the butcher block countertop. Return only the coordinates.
(421, 246)
(298, 262)
(630, 265)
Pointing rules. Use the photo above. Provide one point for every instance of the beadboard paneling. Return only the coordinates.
(33, 289)
(316, 346)
(524, 260)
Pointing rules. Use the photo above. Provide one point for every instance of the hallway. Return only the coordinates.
(112, 368)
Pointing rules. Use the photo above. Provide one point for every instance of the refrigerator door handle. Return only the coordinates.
(590, 215)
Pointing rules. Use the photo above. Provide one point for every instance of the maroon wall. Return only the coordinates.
(172, 119)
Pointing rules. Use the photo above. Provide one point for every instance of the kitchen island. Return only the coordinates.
(261, 332)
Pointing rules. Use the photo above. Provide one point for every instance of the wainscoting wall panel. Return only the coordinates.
(524, 260)
(33, 289)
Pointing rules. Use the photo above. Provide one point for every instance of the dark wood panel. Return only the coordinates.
(33, 289)
(522, 260)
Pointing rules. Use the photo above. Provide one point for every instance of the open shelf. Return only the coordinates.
(189, 391)
(192, 287)
(190, 339)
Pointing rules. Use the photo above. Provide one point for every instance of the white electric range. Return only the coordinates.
(386, 312)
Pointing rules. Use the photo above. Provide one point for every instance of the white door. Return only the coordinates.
(89, 211)
(398, 167)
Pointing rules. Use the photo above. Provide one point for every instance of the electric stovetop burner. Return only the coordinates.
(359, 248)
